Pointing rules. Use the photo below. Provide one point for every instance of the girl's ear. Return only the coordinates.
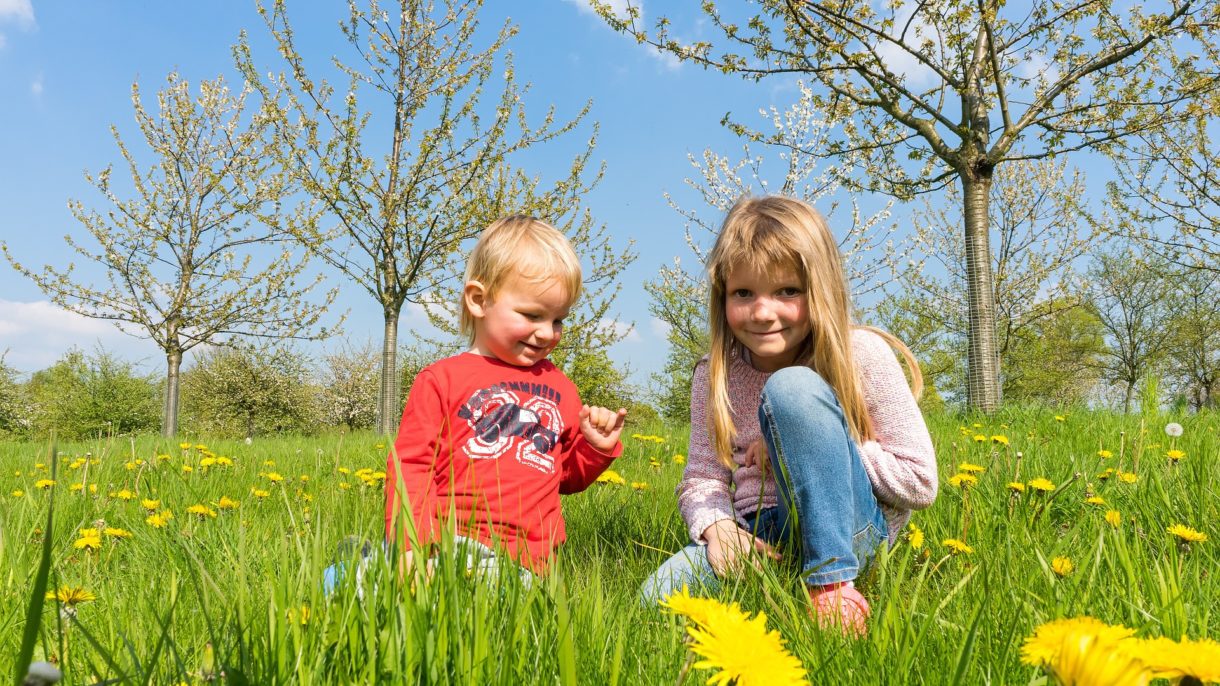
(474, 294)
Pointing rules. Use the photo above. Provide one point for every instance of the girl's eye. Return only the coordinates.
(789, 292)
(741, 293)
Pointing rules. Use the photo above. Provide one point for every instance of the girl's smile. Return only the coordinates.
(768, 312)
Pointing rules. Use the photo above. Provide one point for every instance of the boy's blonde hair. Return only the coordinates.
(771, 233)
(523, 247)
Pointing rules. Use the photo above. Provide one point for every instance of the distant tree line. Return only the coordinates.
(238, 392)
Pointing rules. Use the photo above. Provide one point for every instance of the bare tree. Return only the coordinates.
(1168, 192)
(1194, 337)
(408, 161)
(1129, 292)
(943, 91)
(204, 250)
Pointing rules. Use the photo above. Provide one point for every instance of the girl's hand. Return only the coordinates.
(729, 545)
(756, 454)
(601, 427)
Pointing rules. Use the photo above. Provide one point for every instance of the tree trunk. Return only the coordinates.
(1127, 397)
(169, 413)
(388, 411)
(983, 378)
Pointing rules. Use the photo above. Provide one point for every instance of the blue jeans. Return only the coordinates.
(826, 512)
(480, 560)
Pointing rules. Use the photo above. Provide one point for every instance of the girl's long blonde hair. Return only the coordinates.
(776, 232)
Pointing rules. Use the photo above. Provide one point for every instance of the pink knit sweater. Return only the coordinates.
(900, 463)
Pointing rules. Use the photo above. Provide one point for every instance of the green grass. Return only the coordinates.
(209, 596)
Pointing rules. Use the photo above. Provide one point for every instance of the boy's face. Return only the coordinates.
(522, 323)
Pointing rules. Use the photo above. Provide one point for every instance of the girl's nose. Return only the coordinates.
(761, 309)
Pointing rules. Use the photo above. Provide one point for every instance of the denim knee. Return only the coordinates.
(796, 382)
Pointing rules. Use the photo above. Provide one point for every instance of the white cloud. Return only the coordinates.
(20, 12)
(36, 86)
(622, 331)
(659, 327)
(36, 334)
(618, 7)
(1036, 64)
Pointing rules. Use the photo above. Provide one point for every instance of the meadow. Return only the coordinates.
(202, 562)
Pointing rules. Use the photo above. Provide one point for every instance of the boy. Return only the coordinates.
(491, 437)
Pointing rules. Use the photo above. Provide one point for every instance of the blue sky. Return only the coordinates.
(66, 71)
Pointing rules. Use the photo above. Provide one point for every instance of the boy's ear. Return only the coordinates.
(474, 294)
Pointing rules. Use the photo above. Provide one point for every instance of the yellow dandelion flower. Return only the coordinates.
(76, 487)
(379, 446)
(969, 468)
(1113, 518)
(742, 651)
(1016, 486)
(1095, 500)
(268, 463)
(275, 477)
(1060, 418)
(184, 446)
(259, 493)
(1043, 648)
(696, 609)
(130, 466)
(679, 459)
(115, 532)
(1105, 454)
(18, 493)
(202, 511)
(1177, 660)
(345, 486)
(224, 461)
(1175, 455)
(304, 478)
(227, 503)
(1187, 534)
(977, 425)
(1106, 474)
(1127, 477)
(123, 494)
(957, 547)
(163, 457)
(44, 484)
(150, 505)
(915, 536)
(611, 477)
(92, 488)
(87, 532)
(200, 446)
(963, 481)
(207, 462)
(301, 615)
(88, 543)
(344, 471)
(187, 469)
(980, 438)
(156, 521)
(1042, 484)
(1000, 438)
(1062, 566)
(71, 595)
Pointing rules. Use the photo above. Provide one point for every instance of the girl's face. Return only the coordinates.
(768, 312)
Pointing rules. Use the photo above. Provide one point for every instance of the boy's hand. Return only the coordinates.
(601, 426)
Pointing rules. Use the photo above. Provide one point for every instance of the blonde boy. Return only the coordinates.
(491, 437)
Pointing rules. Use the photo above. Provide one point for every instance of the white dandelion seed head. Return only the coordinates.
(42, 673)
(1173, 429)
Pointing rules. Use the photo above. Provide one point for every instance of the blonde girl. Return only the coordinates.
(806, 439)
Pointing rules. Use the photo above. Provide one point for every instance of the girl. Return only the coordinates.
(803, 429)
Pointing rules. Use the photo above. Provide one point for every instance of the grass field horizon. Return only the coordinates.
(227, 586)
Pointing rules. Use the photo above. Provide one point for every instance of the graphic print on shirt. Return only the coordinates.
(504, 424)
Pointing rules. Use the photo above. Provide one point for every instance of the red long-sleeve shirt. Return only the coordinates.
(488, 447)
